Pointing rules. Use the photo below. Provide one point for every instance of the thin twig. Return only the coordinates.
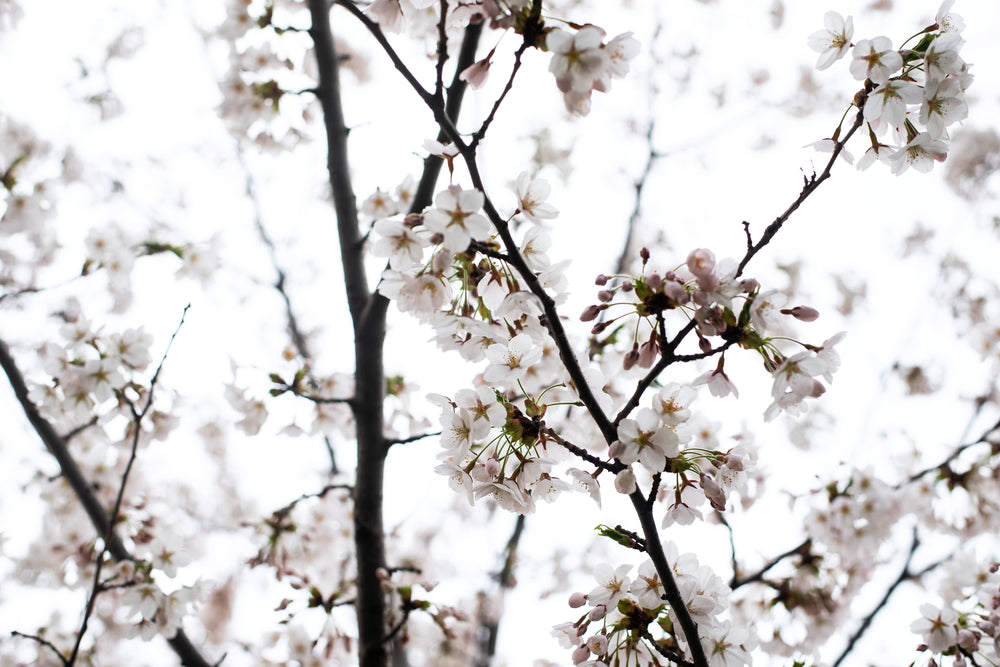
(389, 442)
(904, 575)
(737, 582)
(952, 456)
(810, 186)
(43, 642)
(489, 626)
(481, 132)
(136, 426)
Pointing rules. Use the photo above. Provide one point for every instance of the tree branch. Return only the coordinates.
(904, 575)
(137, 417)
(57, 446)
(811, 184)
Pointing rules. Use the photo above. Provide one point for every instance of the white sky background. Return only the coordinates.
(738, 161)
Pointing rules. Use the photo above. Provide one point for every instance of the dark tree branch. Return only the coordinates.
(654, 549)
(489, 623)
(481, 132)
(413, 438)
(338, 165)
(294, 330)
(810, 186)
(57, 446)
(737, 582)
(368, 317)
(952, 456)
(582, 453)
(904, 575)
(368, 312)
(42, 641)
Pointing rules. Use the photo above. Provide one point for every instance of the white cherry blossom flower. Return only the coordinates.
(647, 587)
(611, 585)
(645, 440)
(941, 58)
(388, 14)
(727, 646)
(531, 196)
(943, 104)
(718, 382)
(506, 494)
(509, 362)
(937, 627)
(482, 403)
(578, 59)
(875, 59)
(946, 20)
(456, 217)
(672, 403)
(460, 430)
(399, 243)
(131, 347)
(888, 102)
(833, 41)
(920, 153)
(167, 556)
(765, 313)
(458, 479)
(587, 483)
(621, 50)
(381, 204)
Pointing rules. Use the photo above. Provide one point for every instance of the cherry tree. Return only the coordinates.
(235, 447)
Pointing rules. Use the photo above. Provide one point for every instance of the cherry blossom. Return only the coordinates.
(834, 41)
(875, 59)
(645, 440)
(937, 626)
(509, 362)
(456, 217)
(531, 196)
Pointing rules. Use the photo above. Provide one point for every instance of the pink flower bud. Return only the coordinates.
(968, 640)
(597, 613)
(625, 482)
(616, 449)
(734, 461)
(601, 280)
(577, 600)
(701, 262)
(803, 313)
(493, 467)
(654, 280)
(713, 492)
(647, 353)
(631, 357)
(580, 653)
(605, 295)
(591, 312)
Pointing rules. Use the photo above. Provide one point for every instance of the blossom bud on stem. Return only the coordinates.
(803, 313)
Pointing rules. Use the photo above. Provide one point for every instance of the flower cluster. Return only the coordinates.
(906, 89)
(625, 615)
(583, 63)
(492, 449)
(967, 637)
(707, 292)
(88, 371)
